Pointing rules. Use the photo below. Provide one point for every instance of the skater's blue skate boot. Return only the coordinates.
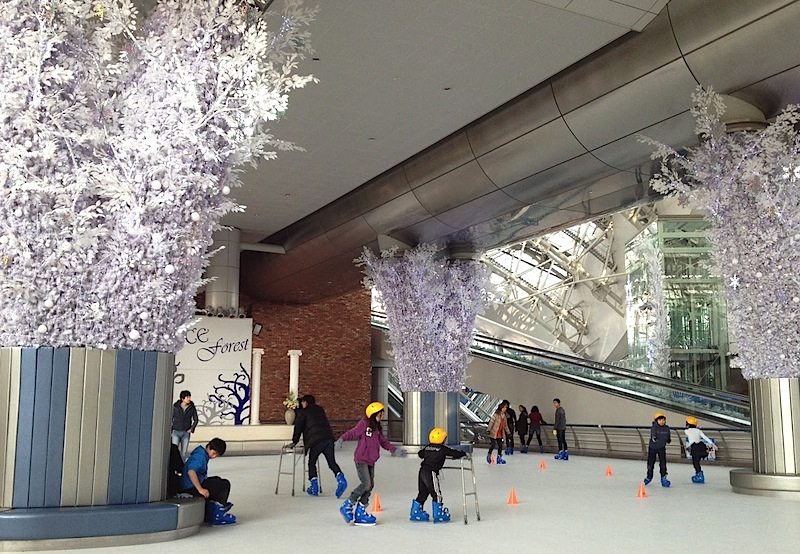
(313, 488)
(216, 514)
(440, 513)
(362, 518)
(524, 450)
(500, 460)
(541, 449)
(346, 509)
(665, 482)
(417, 513)
(647, 480)
(488, 458)
(699, 478)
(510, 451)
(565, 455)
(558, 456)
(341, 484)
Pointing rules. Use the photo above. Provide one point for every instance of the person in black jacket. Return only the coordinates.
(184, 422)
(318, 439)
(433, 456)
(522, 428)
(511, 420)
(659, 438)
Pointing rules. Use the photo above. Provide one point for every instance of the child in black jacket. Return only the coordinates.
(659, 438)
(433, 458)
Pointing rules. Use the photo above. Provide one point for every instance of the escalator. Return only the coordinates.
(711, 404)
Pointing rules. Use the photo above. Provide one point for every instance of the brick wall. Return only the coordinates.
(336, 364)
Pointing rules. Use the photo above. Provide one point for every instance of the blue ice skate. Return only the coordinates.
(313, 488)
(559, 455)
(216, 514)
(346, 509)
(665, 482)
(699, 478)
(341, 484)
(362, 518)
(417, 512)
(565, 454)
(499, 460)
(647, 480)
(440, 513)
(524, 450)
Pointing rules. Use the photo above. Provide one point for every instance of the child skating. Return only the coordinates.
(496, 431)
(699, 444)
(659, 438)
(433, 457)
(369, 434)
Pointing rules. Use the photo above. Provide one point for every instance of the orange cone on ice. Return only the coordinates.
(542, 465)
(512, 497)
(641, 493)
(376, 504)
(609, 471)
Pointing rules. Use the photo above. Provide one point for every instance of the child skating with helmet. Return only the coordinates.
(659, 438)
(369, 434)
(433, 457)
(699, 445)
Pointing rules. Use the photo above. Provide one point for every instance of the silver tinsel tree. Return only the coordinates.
(431, 305)
(658, 349)
(119, 145)
(748, 184)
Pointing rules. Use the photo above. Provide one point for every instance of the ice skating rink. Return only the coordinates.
(570, 507)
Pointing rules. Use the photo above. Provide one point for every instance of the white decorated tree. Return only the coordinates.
(431, 305)
(120, 140)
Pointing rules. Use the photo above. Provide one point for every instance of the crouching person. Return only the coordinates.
(215, 490)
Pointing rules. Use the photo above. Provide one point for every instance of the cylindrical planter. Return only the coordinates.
(775, 416)
(422, 411)
(87, 430)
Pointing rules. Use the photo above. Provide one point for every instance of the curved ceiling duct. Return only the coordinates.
(563, 152)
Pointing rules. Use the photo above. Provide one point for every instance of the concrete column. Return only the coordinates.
(223, 291)
(255, 387)
(294, 371)
(775, 417)
(422, 411)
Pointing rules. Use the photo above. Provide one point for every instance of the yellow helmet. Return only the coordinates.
(659, 415)
(374, 408)
(437, 435)
(691, 420)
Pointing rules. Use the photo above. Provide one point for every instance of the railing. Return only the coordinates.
(734, 446)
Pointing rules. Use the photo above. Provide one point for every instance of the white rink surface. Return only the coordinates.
(569, 508)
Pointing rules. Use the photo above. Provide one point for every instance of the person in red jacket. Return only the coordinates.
(369, 434)
(536, 427)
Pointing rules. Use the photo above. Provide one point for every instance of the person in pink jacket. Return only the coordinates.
(370, 439)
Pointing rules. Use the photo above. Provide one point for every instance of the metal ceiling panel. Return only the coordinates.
(773, 94)
(539, 187)
(656, 96)
(626, 60)
(454, 188)
(695, 25)
(522, 115)
(401, 212)
(429, 230)
(351, 235)
(448, 154)
(762, 49)
(531, 153)
(298, 233)
(483, 208)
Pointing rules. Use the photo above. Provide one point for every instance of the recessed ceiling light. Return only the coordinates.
(288, 194)
(446, 88)
(371, 138)
(315, 59)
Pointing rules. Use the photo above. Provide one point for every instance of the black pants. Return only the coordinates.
(218, 489)
(428, 483)
(324, 447)
(698, 451)
(510, 440)
(561, 437)
(662, 461)
(538, 433)
(499, 443)
(522, 436)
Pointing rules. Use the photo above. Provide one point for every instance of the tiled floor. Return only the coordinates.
(570, 507)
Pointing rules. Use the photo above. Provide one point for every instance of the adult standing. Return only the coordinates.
(522, 428)
(184, 422)
(313, 424)
(560, 429)
(511, 422)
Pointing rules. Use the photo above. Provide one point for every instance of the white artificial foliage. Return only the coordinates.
(431, 305)
(658, 350)
(749, 185)
(118, 145)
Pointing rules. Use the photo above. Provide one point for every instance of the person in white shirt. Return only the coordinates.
(699, 444)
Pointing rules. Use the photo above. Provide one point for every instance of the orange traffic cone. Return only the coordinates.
(641, 493)
(542, 465)
(609, 471)
(512, 497)
(376, 504)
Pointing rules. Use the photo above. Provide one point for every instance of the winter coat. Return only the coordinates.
(497, 420)
(313, 424)
(184, 420)
(659, 436)
(522, 423)
(536, 420)
(561, 419)
(434, 455)
(369, 440)
(511, 421)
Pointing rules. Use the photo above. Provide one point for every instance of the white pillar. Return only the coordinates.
(255, 386)
(294, 371)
